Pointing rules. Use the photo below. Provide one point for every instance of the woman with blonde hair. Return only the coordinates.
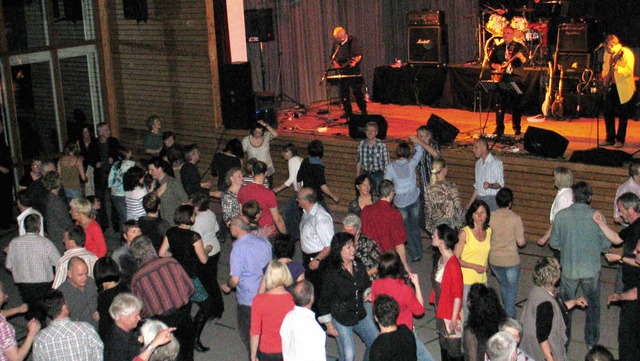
(562, 180)
(267, 313)
(545, 333)
(443, 204)
(71, 170)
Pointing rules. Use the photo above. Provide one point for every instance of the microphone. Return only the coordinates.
(599, 47)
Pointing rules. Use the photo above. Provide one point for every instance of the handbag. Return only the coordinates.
(450, 342)
(200, 293)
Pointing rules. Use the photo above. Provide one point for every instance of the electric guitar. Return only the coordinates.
(606, 81)
(546, 105)
(497, 74)
(557, 108)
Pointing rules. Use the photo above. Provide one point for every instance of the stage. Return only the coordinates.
(404, 119)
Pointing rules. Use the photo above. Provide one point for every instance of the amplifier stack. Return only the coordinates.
(426, 38)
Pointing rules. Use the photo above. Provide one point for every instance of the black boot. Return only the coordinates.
(201, 321)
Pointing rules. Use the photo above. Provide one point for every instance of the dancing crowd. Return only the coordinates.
(85, 300)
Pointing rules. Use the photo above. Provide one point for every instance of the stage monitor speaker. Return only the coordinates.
(427, 45)
(236, 96)
(573, 38)
(358, 125)
(545, 142)
(601, 156)
(259, 25)
(443, 132)
(135, 10)
(573, 62)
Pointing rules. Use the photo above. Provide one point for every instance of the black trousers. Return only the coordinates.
(185, 330)
(31, 293)
(314, 276)
(355, 84)
(213, 306)
(509, 100)
(629, 332)
(613, 109)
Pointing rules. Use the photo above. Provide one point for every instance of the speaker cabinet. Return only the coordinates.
(601, 156)
(573, 62)
(236, 95)
(259, 25)
(545, 142)
(135, 10)
(427, 45)
(573, 38)
(266, 108)
(358, 125)
(444, 133)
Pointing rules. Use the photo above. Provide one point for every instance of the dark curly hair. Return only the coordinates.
(485, 312)
(131, 178)
(338, 242)
(468, 217)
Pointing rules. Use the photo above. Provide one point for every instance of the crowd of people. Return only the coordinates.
(358, 280)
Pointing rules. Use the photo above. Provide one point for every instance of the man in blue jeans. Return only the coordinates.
(580, 242)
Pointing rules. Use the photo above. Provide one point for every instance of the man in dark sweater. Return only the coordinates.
(395, 343)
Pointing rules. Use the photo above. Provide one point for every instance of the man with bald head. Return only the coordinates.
(80, 293)
(346, 57)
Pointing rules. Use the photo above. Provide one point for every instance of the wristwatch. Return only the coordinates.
(621, 261)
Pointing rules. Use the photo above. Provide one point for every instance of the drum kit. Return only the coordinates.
(531, 33)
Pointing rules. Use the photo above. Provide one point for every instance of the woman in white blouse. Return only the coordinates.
(563, 180)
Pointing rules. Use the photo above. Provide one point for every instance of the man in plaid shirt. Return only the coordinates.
(373, 156)
(64, 339)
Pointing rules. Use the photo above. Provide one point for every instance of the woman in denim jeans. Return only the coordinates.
(344, 290)
(507, 236)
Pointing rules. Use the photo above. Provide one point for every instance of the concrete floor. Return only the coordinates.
(222, 337)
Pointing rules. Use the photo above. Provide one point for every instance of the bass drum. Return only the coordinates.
(519, 25)
(495, 24)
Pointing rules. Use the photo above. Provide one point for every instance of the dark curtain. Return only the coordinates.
(303, 37)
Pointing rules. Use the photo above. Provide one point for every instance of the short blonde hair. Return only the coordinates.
(337, 30)
(276, 275)
(546, 272)
(562, 177)
(81, 205)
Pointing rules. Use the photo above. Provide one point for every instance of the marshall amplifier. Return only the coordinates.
(427, 45)
(425, 18)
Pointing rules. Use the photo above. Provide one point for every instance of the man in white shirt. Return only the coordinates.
(489, 175)
(316, 232)
(302, 337)
(24, 206)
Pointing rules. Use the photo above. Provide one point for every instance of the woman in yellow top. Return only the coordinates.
(472, 249)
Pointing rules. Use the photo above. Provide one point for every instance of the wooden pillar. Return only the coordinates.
(213, 65)
(12, 123)
(56, 74)
(106, 65)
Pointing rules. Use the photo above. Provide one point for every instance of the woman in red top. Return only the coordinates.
(81, 212)
(267, 312)
(447, 291)
(392, 283)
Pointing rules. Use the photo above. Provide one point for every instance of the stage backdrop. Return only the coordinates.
(303, 36)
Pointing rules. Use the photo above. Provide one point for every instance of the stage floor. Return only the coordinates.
(404, 119)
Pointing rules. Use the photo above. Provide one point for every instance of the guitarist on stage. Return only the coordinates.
(347, 57)
(619, 88)
(507, 60)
